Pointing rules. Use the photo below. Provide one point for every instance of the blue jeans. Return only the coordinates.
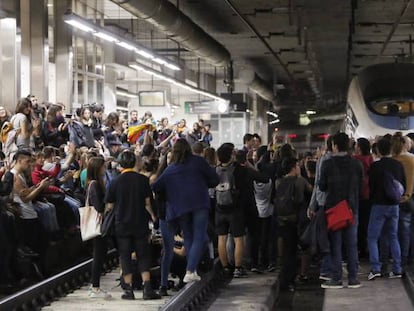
(167, 234)
(194, 225)
(348, 237)
(404, 228)
(384, 217)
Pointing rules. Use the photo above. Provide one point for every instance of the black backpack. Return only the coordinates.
(284, 202)
(226, 193)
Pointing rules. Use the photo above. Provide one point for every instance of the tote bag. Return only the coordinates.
(90, 220)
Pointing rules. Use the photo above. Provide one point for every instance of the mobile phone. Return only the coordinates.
(2, 163)
(68, 116)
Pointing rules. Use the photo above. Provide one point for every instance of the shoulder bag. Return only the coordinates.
(340, 216)
(90, 220)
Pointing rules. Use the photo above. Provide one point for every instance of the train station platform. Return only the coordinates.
(256, 292)
(381, 294)
(79, 300)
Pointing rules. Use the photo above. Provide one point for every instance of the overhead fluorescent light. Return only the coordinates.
(145, 54)
(102, 33)
(79, 25)
(126, 45)
(126, 94)
(310, 112)
(105, 36)
(271, 113)
(172, 66)
(159, 61)
(171, 80)
(274, 121)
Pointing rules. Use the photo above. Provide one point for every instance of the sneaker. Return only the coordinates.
(302, 279)
(324, 277)
(191, 277)
(332, 284)
(373, 274)
(240, 273)
(227, 272)
(163, 291)
(395, 275)
(271, 268)
(150, 295)
(100, 293)
(256, 270)
(354, 284)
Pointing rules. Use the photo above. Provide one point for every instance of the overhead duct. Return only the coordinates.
(328, 117)
(257, 85)
(171, 21)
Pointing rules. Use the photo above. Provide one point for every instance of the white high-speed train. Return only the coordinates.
(381, 100)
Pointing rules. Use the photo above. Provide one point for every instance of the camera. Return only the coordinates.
(68, 116)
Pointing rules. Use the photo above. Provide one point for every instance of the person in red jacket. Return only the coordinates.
(363, 154)
(38, 174)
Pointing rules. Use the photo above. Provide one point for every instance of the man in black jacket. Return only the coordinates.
(341, 178)
(385, 210)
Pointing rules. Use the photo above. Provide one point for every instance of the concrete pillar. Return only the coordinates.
(63, 54)
(8, 64)
(34, 48)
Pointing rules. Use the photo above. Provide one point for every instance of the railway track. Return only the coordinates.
(194, 296)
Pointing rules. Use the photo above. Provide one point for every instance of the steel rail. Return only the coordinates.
(42, 293)
(195, 296)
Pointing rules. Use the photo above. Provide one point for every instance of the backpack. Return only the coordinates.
(393, 189)
(8, 136)
(284, 202)
(226, 189)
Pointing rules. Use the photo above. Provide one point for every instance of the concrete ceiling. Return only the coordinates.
(323, 43)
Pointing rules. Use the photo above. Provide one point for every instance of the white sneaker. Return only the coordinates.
(191, 277)
(100, 293)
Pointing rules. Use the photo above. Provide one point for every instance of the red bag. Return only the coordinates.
(339, 217)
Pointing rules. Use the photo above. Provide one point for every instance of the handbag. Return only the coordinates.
(90, 220)
(108, 224)
(339, 217)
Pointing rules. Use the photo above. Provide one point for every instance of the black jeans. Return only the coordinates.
(8, 245)
(129, 244)
(253, 233)
(288, 233)
(264, 245)
(34, 236)
(99, 254)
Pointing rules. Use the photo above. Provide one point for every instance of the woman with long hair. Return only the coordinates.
(185, 183)
(96, 193)
(167, 233)
(87, 122)
(54, 130)
(24, 125)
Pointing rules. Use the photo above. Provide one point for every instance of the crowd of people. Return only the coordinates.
(252, 207)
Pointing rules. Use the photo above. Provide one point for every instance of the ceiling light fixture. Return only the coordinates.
(126, 94)
(84, 24)
(171, 80)
(310, 112)
(271, 113)
(274, 121)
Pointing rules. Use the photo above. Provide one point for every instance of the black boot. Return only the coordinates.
(128, 292)
(148, 292)
(163, 291)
